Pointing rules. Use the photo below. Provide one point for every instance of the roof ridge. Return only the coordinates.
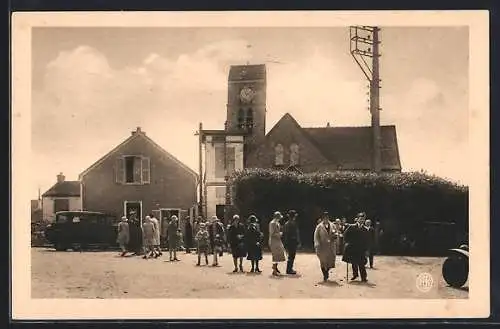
(101, 159)
(354, 127)
(53, 190)
(128, 140)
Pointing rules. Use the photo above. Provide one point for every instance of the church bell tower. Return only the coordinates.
(246, 103)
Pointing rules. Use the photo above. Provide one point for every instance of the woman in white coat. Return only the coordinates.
(325, 241)
(275, 243)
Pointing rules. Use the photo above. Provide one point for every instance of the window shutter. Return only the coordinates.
(137, 169)
(120, 170)
(146, 171)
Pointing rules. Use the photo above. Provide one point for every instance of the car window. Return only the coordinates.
(92, 220)
(61, 219)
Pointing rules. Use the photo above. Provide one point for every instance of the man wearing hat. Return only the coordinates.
(356, 245)
(325, 238)
(135, 233)
(291, 240)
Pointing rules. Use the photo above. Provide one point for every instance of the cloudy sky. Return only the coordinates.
(93, 86)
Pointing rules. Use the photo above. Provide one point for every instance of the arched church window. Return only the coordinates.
(249, 119)
(278, 150)
(241, 118)
(294, 154)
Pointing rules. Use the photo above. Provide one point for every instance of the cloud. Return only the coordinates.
(315, 90)
(432, 126)
(86, 107)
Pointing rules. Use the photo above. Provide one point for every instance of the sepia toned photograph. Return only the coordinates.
(263, 162)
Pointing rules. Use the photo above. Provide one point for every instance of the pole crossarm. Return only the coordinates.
(360, 37)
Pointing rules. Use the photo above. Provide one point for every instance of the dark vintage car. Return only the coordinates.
(78, 230)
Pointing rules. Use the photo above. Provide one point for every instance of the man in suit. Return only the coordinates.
(356, 245)
(291, 240)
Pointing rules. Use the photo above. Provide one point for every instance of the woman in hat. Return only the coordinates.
(254, 243)
(237, 242)
(325, 242)
(148, 237)
(123, 235)
(203, 242)
(275, 243)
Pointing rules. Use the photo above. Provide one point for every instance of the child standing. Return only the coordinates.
(217, 236)
(202, 239)
(180, 240)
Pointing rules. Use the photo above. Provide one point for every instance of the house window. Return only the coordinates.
(278, 150)
(294, 154)
(220, 194)
(61, 205)
(133, 170)
(224, 160)
(249, 119)
(241, 118)
(219, 161)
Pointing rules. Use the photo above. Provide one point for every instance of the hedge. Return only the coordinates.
(424, 207)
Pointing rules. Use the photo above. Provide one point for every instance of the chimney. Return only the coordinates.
(138, 130)
(328, 124)
(60, 178)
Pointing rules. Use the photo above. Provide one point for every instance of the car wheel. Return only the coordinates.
(76, 247)
(456, 271)
(60, 247)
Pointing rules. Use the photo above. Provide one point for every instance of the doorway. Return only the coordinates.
(219, 211)
(167, 213)
(131, 207)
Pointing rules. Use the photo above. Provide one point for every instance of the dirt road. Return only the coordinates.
(106, 275)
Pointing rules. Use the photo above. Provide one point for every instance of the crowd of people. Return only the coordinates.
(356, 242)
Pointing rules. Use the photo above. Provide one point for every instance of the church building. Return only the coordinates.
(243, 143)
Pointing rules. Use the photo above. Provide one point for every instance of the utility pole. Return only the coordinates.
(227, 202)
(199, 133)
(364, 45)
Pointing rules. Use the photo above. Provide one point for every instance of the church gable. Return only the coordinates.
(286, 144)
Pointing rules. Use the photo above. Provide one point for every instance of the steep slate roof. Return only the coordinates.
(64, 189)
(350, 147)
(247, 72)
(138, 134)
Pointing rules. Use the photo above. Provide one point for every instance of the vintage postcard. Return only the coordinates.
(250, 165)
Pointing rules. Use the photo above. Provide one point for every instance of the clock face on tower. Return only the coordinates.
(246, 95)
